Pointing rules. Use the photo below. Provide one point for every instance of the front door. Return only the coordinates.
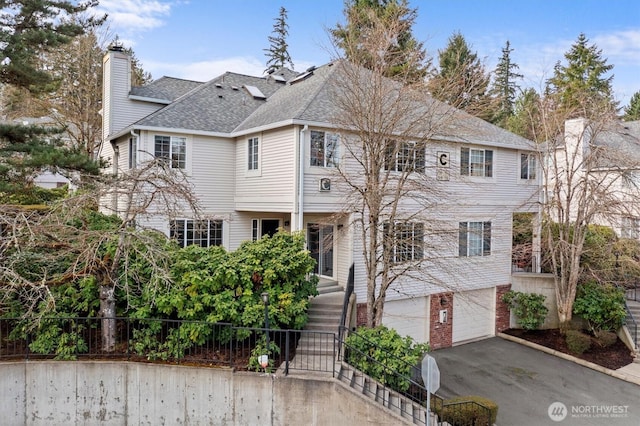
(320, 240)
(269, 227)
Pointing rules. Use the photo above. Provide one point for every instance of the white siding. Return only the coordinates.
(118, 111)
(272, 187)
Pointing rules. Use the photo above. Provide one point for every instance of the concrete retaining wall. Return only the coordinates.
(122, 393)
(541, 284)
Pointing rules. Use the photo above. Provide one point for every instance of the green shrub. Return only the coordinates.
(469, 410)
(380, 352)
(261, 349)
(577, 342)
(529, 308)
(606, 338)
(601, 305)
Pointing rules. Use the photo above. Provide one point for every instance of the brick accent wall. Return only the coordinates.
(361, 314)
(440, 334)
(502, 311)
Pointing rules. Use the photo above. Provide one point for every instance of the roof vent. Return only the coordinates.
(219, 86)
(234, 87)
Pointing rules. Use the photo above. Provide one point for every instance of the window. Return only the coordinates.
(527, 166)
(204, 233)
(404, 156)
(133, 153)
(173, 149)
(262, 227)
(629, 228)
(475, 239)
(476, 162)
(405, 240)
(324, 149)
(252, 150)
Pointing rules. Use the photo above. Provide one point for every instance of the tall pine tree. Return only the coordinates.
(407, 57)
(461, 80)
(278, 52)
(504, 88)
(632, 111)
(581, 87)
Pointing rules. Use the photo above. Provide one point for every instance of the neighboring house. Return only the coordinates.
(607, 155)
(260, 154)
(47, 179)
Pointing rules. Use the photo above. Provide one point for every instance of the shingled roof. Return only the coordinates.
(225, 106)
(217, 106)
(621, 145)
(165, 88)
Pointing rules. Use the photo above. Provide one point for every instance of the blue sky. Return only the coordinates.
(200, 39)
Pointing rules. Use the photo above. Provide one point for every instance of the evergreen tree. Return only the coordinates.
(581, 87)
(406, 56)
(461, 80)
(632, 111)
(29, 29)
(278, 53)
(505, 87)
(526, 117)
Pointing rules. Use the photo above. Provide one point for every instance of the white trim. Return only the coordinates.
(147, 99)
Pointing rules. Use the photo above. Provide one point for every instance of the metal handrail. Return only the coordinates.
(634, 333)
(348, 291)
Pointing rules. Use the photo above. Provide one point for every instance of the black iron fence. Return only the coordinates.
(164, 340)
(219, 345)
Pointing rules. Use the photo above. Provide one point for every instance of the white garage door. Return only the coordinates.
(473, 314)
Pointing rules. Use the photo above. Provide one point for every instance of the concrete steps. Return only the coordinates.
(328, 286)
(402, 406)
(325, 311)
(317, 340)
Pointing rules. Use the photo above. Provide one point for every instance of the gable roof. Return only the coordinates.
(225, 105)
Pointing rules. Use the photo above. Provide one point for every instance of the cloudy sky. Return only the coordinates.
(200, 39)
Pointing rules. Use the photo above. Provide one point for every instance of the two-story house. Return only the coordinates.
(261, 153)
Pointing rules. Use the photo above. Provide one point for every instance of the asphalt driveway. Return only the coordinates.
(525, 382)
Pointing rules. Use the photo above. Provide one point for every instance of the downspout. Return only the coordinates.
(114, 170)
(303, 132)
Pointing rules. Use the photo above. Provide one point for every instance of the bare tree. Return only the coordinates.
(590, 171)
(71, 241)
(388, 125)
